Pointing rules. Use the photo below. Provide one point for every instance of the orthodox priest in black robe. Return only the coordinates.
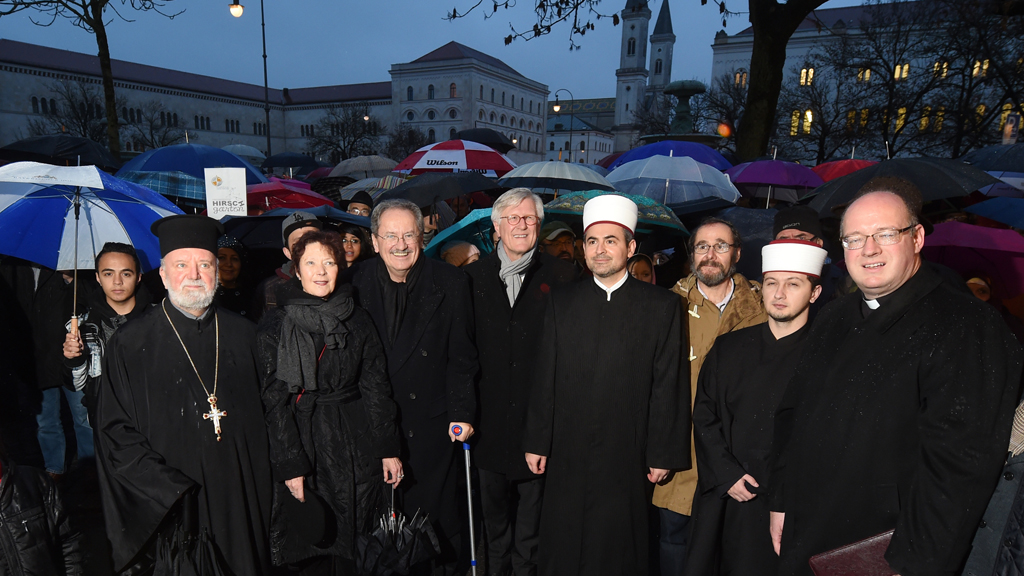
(740, 385)
(179, 417)
(609, 410)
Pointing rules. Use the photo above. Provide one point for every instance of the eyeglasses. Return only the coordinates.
(882, 238)
(720, 247)
(350, 241)
(359, 211)
(409, 237)
(513, 220)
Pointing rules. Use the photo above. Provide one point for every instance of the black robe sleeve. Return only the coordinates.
(967, 399)
(668, 423)
(287, 456)
(462, 358)
(719, 469)
(375, 388)
(139, 487)
(783, 431)
(540, 414)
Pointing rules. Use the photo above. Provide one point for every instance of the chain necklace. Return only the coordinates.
(215, 414)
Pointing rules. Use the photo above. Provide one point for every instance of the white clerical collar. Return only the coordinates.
(728, 297)
(614, 287)
(189, 314)
(873, 304)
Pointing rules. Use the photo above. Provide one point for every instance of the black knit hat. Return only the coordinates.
(803, 218)
(187, 231)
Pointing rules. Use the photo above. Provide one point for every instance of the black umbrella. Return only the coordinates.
(183, 548)
(289, 160)
(1003, 158)
(487, 137)
(59, 149)
(427, 189)
(396, 544)
(935, 177)
(264, 231)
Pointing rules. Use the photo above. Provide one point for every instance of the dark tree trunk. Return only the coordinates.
(113, 133)
(773, 25)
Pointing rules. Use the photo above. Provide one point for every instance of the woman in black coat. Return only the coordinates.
(330, 415)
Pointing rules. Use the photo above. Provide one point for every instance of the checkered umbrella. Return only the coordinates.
(456, 156)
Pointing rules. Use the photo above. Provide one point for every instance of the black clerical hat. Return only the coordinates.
(187, 231)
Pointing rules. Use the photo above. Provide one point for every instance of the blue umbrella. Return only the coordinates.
(1009, 211)
(191, 159)
(61, 216)
(699, 152)
(189, 189)
(476, 228)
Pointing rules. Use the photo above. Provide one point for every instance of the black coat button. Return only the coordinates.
(1008, 542)
(423, 352)
(982, 524)
(412, 396)
(410, 433)
(1008, 476)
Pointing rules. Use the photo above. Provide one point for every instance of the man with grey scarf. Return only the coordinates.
(509, 288)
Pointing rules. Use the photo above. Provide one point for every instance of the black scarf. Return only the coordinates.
(307, 317)
(395, 296)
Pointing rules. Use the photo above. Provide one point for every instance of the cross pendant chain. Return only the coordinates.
(215, 414)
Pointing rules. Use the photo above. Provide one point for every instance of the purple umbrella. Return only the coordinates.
(970, 249)
(785, 181)
(699, 152)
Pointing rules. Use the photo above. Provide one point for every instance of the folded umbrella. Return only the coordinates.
(396, 543)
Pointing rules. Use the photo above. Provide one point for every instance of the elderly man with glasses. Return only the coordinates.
(424, 315)
(718, 300)
(898, 416)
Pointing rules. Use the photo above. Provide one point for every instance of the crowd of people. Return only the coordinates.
(728, 425)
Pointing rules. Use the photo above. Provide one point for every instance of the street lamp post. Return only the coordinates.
(572, 114)
(236, 11)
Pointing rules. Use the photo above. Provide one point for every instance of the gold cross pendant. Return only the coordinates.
(215, 415)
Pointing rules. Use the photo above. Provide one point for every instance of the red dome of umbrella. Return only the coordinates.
(281, 195)
(832, 170)
(456, 156)
(609, 159)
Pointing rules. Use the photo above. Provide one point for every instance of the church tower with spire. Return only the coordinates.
(631, 77)
(662, 41)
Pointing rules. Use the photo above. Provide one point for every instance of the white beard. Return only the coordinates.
(192, 299)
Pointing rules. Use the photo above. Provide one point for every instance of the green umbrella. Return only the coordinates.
(652, 214)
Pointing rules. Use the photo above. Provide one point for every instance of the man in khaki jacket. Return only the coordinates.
(718, 300)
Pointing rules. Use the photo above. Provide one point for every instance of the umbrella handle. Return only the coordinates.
(74, 325)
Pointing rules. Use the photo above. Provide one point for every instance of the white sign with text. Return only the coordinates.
(225, 192)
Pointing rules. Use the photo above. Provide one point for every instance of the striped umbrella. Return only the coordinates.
(456, 156)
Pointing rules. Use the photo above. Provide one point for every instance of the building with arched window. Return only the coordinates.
(220, 108)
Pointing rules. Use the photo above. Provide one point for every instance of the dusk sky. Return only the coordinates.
(325, 42)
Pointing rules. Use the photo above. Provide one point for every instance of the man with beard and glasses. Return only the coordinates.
(423, 313)
(608, 413)
(733, 414)
(718, 300)
(181, 439)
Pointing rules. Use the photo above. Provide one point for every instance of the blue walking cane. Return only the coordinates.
(456, 430)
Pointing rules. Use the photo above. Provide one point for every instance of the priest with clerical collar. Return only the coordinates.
(180, 424)
(609, 410)
(739, 387)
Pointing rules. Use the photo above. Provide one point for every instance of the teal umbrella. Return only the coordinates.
(653, 215)
(475, 228)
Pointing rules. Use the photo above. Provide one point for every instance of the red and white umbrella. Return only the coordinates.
(456, 156)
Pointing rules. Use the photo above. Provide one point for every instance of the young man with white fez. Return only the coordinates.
(609, 412)
(292, 228)
(718, 300)
(180, 430)
(509, 290)
(733, 413)
(802, 223)
(423, 313)
(899, 411)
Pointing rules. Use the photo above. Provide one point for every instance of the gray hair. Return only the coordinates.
(395, 204)
(513, 198)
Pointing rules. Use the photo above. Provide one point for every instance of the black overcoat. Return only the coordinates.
(898, 420)
(609, 401)
(740, 385)
(432, 364)
(507, 338)
(335, 435)
(153, 445)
